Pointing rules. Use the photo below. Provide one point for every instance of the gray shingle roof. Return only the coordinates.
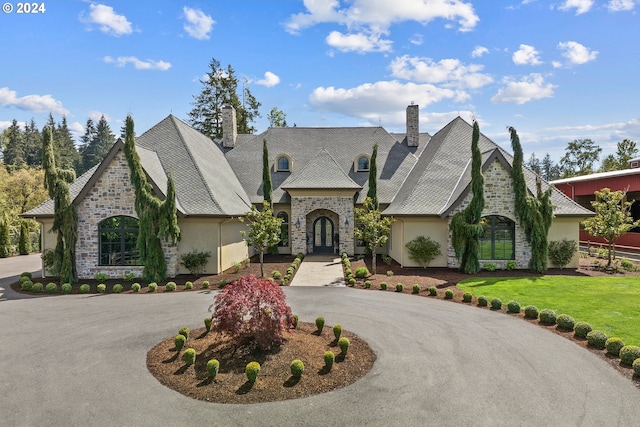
(322, 171)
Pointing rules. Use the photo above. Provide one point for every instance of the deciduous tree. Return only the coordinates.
(264, 230)
(373, 228)
(579, 158)
(277, 118)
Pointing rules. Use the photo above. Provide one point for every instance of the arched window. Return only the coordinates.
(118, 237)
(284, 229)
(498, 241)
(283, 164)
(363, 163)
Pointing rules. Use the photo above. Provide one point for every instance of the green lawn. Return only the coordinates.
(610, 304)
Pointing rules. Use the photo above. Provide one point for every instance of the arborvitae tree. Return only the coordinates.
(465, 227)
(267, 187)
(24, 244)
(13, 152)
(535, 213)
(65, 217)
(156, 219)
(5, 238)
(373, 178)
(99, 144)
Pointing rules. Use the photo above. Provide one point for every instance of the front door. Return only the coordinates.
(323, 236)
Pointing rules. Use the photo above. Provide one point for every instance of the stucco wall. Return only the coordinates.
(412, 227)
(47, 239)
(202, 235)
(566, 228)
(233, 247)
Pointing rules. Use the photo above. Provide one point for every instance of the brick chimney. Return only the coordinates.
(229, 126)
(413, 125)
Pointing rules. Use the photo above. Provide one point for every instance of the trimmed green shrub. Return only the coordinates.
(320, 324)
(26, 285)
(85, 288)
(351, 281)
(531, 312)
(362, 272)
(184, 331)
(222, 283)
(513, 307)
(496, 304)
(597, 339)
(415, 289)
(188, 286)
(433, 291)
(399, 287)
(189, 356)
(628, 265)
(344, 343)
(613, 345)
(170, 287)
(636, 367)
(26, 274)
(448, 294)
(66, 288)
(329, 358)
(195, 261)
(153, 286)
(297, 368)
(347, 271)
(207, 323)
(213, 366)
(582, 329)
(102, 288)
(117, 288)
(511, 265)
(548, 317)
(205, 284)
(179, 341)
(383, 286)
(276, 274)
(295, 321)
(483, 301)
(467, 296)
(129, 277)
(38, 287)
(561, 252)
(389, 273)
(252, 370)
(566, 322)
(629, 354)
(292, 270)
(386, 259)
(490, 266)
(367, 284)
(135, 287)
(100, 277)
(423, 250)
(337, 330)
(51, 288)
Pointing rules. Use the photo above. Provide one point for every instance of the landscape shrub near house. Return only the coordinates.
(513, 307)
(565, 322)
(38, 287)
(329, 358)
(66, 288)
(581, 329)
(531, 312)
(344, 344)
(102, 288)
(252, 370)
(467, 296)
(179, 341)
(51, 288)
(423, 250)
(483, 301)
(195, 261)
(416, 289)
(448, 294)
(212, 368)
(496, 304)
(85, 288)
(117, 288)
(613, 346)
(548, 317)
(362, 272)
(135, 287)
(597, 339)
(562, 252)
(297, 368)
(319, 324)
(189, 357)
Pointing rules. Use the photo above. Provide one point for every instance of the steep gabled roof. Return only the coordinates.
(322, 171)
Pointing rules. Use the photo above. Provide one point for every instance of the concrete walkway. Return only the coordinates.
(319, 270)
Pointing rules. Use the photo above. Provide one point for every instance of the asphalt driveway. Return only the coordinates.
(80, 360)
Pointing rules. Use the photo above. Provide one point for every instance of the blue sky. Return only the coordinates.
(556, 70)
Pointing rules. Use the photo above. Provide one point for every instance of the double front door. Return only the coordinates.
(323, 236)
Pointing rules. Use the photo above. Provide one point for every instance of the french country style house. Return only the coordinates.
(319, 175)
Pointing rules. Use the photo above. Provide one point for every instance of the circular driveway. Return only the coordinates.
(80, 360)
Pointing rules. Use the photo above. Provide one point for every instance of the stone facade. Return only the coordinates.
(413, 125)
(306, 209)
(112, 195)
(500, 199)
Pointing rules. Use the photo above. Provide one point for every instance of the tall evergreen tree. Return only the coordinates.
(13, 153)
(32, 144)
(24, 243)
(66, 155)
(85, 140)
(267, 187)
(373, 178)
(5, 238)
(99, 145)
(550, 170)
(534, 164)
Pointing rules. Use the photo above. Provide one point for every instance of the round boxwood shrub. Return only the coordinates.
(212, 368)
(329, 358)
(184, 331)
(66, 288)
(636, 367)
(153, 286)
(448, 294)
(135, 287)
(85, 288)
(383, 286)
(295, 321)
(344, 343)
(51, 288)
(26, 274)
(351, 281)
(102, 288)
(170, 287)
(179, 341)
(26, 285)
(566, 322)
(319, 324)
(467, 296)
(362, 272)
(548, 317)
(207, 323)
(496, 304)
(297, 368)
(629, 354)
(433, 291)
(513, 307)
(38, 287)
(483, 301)
(367, 284)
(276, 274)
(117, 288)
(597, 339)
(531, 312)
(337, 330)
(613, 346)
(581, 330)
(188, 286)
(205, 284)
(399, 287)
(252, 370)
(415, 289)
(189, 356)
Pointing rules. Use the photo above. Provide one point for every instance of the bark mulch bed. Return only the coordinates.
(274, 381)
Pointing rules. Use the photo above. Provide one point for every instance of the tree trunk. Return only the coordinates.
(610, 252)
(261, 263)
(373, 260)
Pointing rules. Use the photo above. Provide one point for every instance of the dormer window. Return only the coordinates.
(362, 164)
(283, 164)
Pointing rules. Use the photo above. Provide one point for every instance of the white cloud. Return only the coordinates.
(417, 39)
(270, 79)
(479, 51)
(576, 53)
(96, 115)
(581, 6)
(107, 19)
(35, 103)
(449, 72)
(138, 64)
(358, 42)
(526, 55)
(620, 5)
(198, 24)
(5, 124)
(77, 130)
(529, 88)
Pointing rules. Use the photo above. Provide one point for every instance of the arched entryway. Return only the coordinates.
(323, 232)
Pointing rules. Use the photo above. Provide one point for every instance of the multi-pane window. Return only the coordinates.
(284, 229)
(498, 240)
(118, 237)
(283, 164)
(363, 164)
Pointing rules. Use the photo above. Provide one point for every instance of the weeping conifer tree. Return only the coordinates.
(373, 178)
(465, 227)
(535, 213)
(156, 218)
(65, 217)
(267, 187)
